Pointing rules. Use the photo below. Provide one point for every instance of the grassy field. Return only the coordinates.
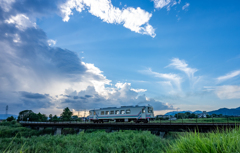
(202, 120)
(27, 140)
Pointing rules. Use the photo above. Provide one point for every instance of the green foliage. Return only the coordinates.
(10, 118)
(123, 141)
(55, 118)
(219, 141)
(185, 115)
(66, 114)
(29, 115)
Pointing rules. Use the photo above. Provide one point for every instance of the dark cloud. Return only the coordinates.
(30, 95)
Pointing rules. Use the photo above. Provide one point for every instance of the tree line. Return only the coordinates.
(29, 115)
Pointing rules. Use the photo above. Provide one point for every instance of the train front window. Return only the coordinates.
(143, 110)
(122, 112)
(90, 113)
(107, 113)
(117, 112)
(94, 113)
(128, 111)
(150, 110)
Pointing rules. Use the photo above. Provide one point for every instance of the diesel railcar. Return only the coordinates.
(122, 114)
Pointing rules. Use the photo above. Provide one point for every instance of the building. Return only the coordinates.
(202, 115)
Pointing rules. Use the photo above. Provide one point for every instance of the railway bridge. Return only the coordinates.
(155, 128)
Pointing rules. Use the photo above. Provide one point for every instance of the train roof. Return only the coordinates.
(121, 107)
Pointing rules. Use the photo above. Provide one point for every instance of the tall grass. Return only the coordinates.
(217, 142)
(123, 141)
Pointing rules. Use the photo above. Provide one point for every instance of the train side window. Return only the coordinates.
(94, 113)
(102, 112)
(111, 112)
(107, 113)
(122, 112)
(117, 112)
(90, 112)
(128, 111)
(143, 110)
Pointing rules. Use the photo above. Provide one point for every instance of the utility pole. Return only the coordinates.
(7, 111)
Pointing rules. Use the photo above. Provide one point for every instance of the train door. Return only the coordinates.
(143, 113)
(94, 115)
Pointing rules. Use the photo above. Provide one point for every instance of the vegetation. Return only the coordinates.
(14, 138)
(11, 118)
(217, 142)
(201, 120)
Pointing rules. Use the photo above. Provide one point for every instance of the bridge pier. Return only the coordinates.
(41, 128)
(161, 134)
(58, 131)
(77, 130)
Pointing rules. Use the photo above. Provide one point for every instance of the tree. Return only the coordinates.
(66, 114)
(10, 118)
(55, 118)
(50, 117)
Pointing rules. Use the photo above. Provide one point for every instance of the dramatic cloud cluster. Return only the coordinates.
(35, 75)
(136, 20)
(21, 21)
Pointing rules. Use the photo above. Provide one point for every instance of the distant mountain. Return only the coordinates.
(175, 112)
(226, 111)
(3, 116)
(198, 112)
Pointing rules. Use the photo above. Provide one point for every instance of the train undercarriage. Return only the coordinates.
(121, 120)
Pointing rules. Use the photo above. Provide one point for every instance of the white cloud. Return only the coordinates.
(228, 92)
(139, 90)
(165, 3)
(51, 42)
(16, 38)
(21, 22)
(228, 76)
(6, 4)
(185, 6)
(136, 20)
(183, 66)
(174, 78)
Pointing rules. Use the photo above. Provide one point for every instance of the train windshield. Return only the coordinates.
(150, 109)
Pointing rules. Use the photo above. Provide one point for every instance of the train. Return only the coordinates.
(136, 114)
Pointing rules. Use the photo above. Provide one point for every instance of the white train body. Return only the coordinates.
(122, 114)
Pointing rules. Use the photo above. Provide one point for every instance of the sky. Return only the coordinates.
(89, 54)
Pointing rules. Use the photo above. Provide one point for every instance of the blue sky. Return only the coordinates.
(89, 54)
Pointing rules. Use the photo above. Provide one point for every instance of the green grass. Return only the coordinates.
(126, 141)
(217, 142)
(122, 141)
(202, 120)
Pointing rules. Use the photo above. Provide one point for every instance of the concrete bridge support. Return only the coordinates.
(41, 128)
(161, 134)
(58, 131)
(78, 130)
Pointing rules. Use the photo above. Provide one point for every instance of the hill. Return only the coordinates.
(3, 116)
(226, 111)
(175, 112)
